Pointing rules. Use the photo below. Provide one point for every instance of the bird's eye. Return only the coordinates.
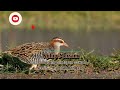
(61, 41)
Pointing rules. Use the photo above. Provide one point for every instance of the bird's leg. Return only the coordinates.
(34, 66)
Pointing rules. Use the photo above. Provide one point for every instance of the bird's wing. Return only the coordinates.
(38, 57)
(30, 51)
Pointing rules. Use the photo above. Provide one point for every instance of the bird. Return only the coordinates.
(32, 53)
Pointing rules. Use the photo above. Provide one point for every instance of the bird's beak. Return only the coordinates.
(65, 44)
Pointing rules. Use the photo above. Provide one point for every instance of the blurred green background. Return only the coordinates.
(70, 20)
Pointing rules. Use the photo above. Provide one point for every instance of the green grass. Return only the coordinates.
(12, 65)
(98, 62)
(101, 62)
(64, 20)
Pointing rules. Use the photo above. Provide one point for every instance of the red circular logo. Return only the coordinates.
(15, 18)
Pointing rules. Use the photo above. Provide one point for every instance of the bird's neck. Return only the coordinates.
(56, 49)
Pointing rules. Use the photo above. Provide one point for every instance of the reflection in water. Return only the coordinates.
(102, 42)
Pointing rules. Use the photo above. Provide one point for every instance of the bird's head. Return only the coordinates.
(57, 42)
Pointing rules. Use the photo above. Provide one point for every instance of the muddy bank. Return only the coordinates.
(64, 75)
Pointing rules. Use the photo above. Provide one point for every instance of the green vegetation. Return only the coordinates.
(98, 62)
(101, 62)
(12, 65)
(64, 20)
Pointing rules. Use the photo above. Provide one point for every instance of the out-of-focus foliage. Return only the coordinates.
(70, 20)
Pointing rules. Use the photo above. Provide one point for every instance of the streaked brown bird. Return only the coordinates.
(32, 53)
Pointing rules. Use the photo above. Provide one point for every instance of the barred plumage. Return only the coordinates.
(32, 53)
(38, 57)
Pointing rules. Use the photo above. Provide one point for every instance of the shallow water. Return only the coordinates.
(102, 42)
